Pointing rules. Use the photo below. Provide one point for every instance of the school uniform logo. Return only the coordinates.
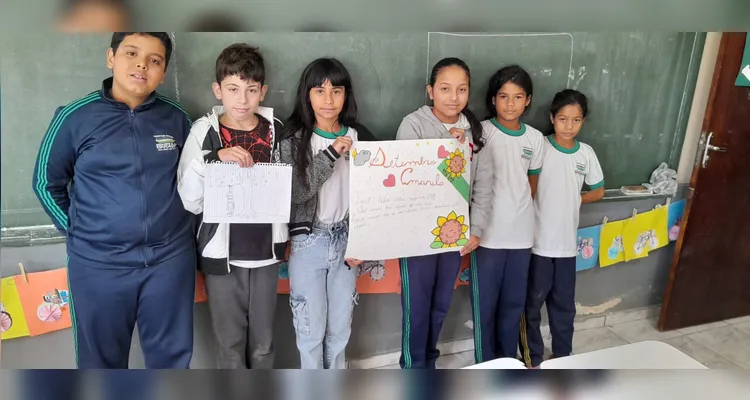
(580, 169)
(165, 143)
(528, 153)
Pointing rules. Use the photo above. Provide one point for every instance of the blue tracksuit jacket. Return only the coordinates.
(107, 176)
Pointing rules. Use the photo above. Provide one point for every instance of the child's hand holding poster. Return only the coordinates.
(408, 198)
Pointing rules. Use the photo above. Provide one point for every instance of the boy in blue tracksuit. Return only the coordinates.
(106, 175)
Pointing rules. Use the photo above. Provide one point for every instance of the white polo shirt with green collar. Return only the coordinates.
(558, 196)
(516, 155)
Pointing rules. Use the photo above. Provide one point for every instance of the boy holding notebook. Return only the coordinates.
(240, 261)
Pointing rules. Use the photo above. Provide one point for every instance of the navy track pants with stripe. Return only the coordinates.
(551, 281)
(107, 302)
(497, 282)
(68, 384)
(427, 289)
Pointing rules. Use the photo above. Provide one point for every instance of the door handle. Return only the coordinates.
(710, 147)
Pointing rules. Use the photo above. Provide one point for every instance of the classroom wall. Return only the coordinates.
(376, 328)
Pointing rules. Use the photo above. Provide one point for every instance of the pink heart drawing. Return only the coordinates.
(390, 181)
(443, 153)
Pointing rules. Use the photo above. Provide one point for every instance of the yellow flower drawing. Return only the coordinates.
(450, 232)
(456, 164)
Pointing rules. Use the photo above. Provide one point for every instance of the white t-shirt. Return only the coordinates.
(333, 197)
(516, 155)
(462, 121)
(558, 197)
(253, 264)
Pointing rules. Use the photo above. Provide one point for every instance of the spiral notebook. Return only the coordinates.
(261, 194)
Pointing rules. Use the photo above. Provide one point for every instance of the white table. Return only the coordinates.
(642, 355)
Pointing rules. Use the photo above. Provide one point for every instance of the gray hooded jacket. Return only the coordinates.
(423, 124)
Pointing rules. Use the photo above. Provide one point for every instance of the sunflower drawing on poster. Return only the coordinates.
(674, 219)
(46, 300)
(588, 247)
(12, 320)
(408, 198)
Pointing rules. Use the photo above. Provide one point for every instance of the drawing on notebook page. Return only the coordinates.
(234, 192)
(260, 194)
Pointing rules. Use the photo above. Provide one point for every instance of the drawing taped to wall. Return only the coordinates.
(616, 248)
(674, 219)
(51, 308)
(375, 269)
(641, 243)
(587, 247)
(6, 320)
(12, 320)
(638, 235)
(46, 300)
(611, 248)
(658, 235)
(49, 313)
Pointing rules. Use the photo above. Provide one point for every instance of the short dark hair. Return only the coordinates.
(118, 37)
(243, 60)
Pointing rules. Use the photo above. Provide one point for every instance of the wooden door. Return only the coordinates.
(710, 276)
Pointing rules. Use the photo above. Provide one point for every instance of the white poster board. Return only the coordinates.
(408, 198)
(261, 194)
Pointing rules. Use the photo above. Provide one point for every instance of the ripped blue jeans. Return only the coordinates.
(323, 294)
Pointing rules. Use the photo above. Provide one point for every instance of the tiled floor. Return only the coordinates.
(720, 345)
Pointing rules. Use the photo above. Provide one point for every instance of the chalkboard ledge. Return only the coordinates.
(47, 234)
(616, 195)
(613, 195)
(25, 236)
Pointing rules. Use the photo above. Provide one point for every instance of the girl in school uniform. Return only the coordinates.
(500, 266)
(567, 164)
(318, 136)
(428, 280)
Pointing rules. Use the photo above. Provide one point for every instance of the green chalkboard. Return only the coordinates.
(640, 86)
